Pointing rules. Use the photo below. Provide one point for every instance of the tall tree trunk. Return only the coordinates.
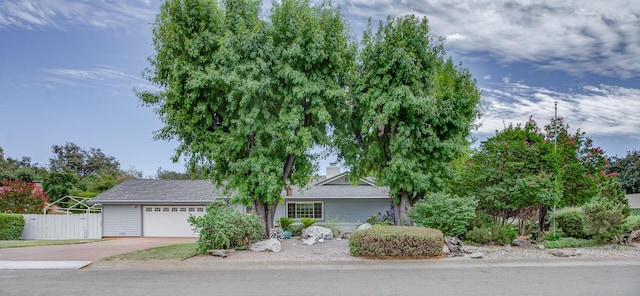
(401, 210)
(267, 214)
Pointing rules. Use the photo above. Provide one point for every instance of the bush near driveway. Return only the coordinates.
(402, 242)
(11, 226)
(223, 227)
(571, 221)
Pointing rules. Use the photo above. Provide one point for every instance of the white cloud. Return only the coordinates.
(506, 79)
(578, 37)
(35, 14)
(105, 76)
(596, 109)
(487, 77)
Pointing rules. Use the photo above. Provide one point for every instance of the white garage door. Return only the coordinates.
(169, 221)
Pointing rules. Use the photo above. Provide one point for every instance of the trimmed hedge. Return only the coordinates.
(402, 242)
(571, 221)
(11, 226)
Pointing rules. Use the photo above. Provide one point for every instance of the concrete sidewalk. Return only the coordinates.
(82, 254)
(199, 263)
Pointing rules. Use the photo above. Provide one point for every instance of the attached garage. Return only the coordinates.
(153, 208)
(169, 221)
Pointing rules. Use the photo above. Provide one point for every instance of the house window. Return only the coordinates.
(149, 209)
(297, 210)
(183, 209)
(156, 210)
(174, 209)
(200, 209)
(192, 209)
(165, 209)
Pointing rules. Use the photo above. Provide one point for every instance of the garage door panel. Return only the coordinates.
(169, 221)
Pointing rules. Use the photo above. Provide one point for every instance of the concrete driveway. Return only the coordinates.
(88, 251)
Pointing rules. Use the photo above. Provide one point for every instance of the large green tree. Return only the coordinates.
(627, 171)
(410, 114)
(247, 97)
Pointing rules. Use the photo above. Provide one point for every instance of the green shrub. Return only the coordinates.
(396, 242)
(571, 221)
(379, 220)
(11, 226)
(308, 221)
(632, 223)
(605, 214)
(448, 213)
(503, 234)
(285, 222)
(333, 225)
(223, 227)
(478, 235)
(569, 242)
(492, 234)
(296, 229)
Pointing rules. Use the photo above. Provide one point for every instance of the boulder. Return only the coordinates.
(272, 245)
(319, 232)
(476, 255)
(310, 241)
(565, 253)
(364, 226)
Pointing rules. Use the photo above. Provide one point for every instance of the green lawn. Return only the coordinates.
(33, 243)
(177, 251)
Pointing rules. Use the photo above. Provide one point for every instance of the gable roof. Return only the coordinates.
(144, 191)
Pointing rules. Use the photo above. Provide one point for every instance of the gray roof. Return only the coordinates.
(141, 191)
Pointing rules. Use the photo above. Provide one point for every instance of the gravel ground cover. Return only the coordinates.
(338, 250)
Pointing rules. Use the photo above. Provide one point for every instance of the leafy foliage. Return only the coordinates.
(248, 97)
(571, 221)
(509, 173)
(11, 226)
(223, 227)
(308, 221)
(410, 112)
(21, 197)
(606, 213)
(396, 242)
(627, 170)
(72, 158)
(448, 213)
(630, 224)
(569, 242)
(285, 222)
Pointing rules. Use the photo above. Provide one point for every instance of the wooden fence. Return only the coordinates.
(57, 227)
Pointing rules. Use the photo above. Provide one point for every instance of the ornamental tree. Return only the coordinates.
(410, 112)
(247, 98)
(21, 197)
(509, 174)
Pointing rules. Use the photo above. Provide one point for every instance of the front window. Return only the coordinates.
(297, 210)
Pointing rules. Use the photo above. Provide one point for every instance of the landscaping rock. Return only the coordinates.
(310, 241)
(565, 253)
(477, 255)
(364, 226)
(454, 246)
(272, 245)
(319, 232)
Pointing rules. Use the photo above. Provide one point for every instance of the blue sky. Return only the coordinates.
(68, 69)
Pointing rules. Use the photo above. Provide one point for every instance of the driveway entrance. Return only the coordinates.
(88, 251)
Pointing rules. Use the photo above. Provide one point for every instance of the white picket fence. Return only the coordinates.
(56, 227)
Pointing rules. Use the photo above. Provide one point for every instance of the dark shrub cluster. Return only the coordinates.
(396, 242)
(11, 226)
(571, 221)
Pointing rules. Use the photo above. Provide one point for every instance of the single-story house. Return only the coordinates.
(160, 208)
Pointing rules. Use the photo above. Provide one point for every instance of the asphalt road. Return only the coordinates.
(393, 278)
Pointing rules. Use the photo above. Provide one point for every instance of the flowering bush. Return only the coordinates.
(21, 197)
